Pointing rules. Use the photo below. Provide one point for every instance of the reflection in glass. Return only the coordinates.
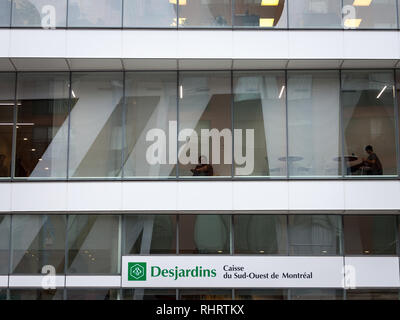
(96, 125)
(39, 13)
(263, 234)
(150, 13)
(204, 105)
(210, 13)
(315, 14)
(316, 294)
(32, 294)
(315, 235)
(370, 14)
(260, 14)
(151, 107)
(42, 130)
(93, 244)
(99, 13)
(261, 294)
(368, 120)
(204, 294)
(38, 240)
(149, 294)
(370, 235)
(313, 123)
(372, 294)
(5, 13)
(7, 101)
(93, 294)
(5, 225)
(260, 105)
(204, 234)
(150, 234)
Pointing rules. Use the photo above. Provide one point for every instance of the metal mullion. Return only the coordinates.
(232, 128)
(177, 123)
(14, 130)
(287, 124)
(396, 120)
(123, 126)
(69, 123)
(341, 128)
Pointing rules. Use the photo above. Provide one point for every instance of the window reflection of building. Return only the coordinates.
(211, 13)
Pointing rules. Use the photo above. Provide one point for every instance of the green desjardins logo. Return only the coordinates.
(137, 271)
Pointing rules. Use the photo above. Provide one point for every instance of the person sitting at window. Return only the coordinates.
(372, 164)
(203, 168)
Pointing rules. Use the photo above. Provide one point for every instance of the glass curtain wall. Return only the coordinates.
(5, 229)
(5, 13)
(210, 13)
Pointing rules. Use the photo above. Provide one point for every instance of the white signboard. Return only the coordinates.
(232, 272)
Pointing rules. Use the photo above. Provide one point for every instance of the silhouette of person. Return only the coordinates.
(203, 168)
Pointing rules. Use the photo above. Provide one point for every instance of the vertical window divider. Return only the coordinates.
(10, 252)
(11, 11)
(69, 123)
(233, 13)
(287, 124)
(287, 17)
(123, 125)
(341, 128)
(232, 127)
(397, 14)
(177, 16)
(14, 130)
(66, 251)
(232, 235)
(398, 235)
(396, 121)
(177, 122)
(177, 234)
(67, 15)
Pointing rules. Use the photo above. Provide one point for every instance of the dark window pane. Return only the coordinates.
(316, 294)
(260, 294)
(368, 120)
(42, 126)
(370, 235)
(37, 241)
(39, 13)
(313, 123)
(210, 13)
(7, 101)
(204, 234)
(204, 122)
(263, 234)
(149, 294)
(370, 14)
(261, 14)
(5, 13)
(151, 107)
(260, 105)
(201, 294)
(315, 14)
(98, 14)
(96, 125)
(5, 225)
(3, 294)
(150, 13)
(93, 294)
(26, 294)
(372, 294)
(93, 244)
(150, 234)
(314, 235)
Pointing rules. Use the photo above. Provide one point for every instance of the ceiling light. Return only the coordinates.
(362, 3)
(181, 2)
(73, 93)
(25, 139)
(181, 92)
(267, 22)
(366, 251)
(281, 93)
(270, 2)
(33, 150)
(352, 23)
(40, 159)
(382, 91)
(46, 168)
(261, 251)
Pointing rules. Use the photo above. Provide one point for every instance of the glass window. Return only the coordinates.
(5, 225)
(315, 14)
(7, 101)
(205, 294)
(260, 14)
(96, 125)
(149, 294)
(204, 234)
(210, 13)
(205, 133)
(151, 127)
(370, 235)
(39, 13)
(93, 294)
(150, 234)
(150, 13)
(367, 14)
(263, 234)
(260, 294)
(316, 294)
(38, 241)
(30, 294)
(369, 123)
(5, 13)
(99, 13)
(315, 235)
(3, 294)
(313, 124)
(260, 106)
(42, 126)
(93, 244)
(372, 294)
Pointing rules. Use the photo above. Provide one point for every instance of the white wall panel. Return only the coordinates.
(35, 281)
(93, 281)
(3, 281)
(5, 42)
(5, 196)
